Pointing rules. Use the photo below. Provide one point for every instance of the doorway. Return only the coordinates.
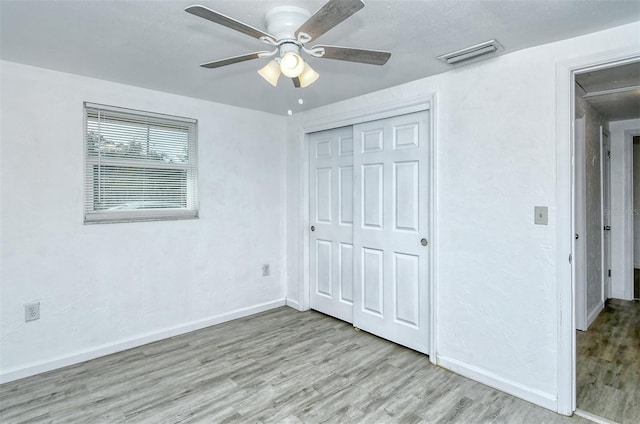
(608, 342)
(369, 191)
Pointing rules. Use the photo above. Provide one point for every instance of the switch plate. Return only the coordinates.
(266, 270)
(541, 215)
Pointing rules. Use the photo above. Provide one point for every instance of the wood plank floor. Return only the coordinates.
(608, 363)
(281, 366)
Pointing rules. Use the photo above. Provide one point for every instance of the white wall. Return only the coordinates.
(497, 304)
(622, 133)
(111, 286)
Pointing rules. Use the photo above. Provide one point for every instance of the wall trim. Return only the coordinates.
(39, 367)
(592, 417)
(538, 397)
(593, 313)
(293, 304)
(371, 112)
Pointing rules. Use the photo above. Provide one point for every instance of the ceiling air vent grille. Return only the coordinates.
(470, 53)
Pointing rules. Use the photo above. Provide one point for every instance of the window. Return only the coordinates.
(139, 166)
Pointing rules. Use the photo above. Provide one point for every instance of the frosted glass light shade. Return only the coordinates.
(271, 72)
(308, 76)
(291, 64)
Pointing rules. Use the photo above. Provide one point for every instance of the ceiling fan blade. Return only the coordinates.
(232, 60)
(219, 18)
(296, 82)
(371, 57)
(329, 15)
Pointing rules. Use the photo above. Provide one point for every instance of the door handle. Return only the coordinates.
(607, 227)
(313, 228)
(424, 242)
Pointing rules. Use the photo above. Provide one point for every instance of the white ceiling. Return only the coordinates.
(614, 92)
(156, 45)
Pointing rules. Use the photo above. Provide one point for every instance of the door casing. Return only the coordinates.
(565, 227)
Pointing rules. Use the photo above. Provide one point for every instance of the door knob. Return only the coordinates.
(607, 227)
(313, 228)
(424, 242)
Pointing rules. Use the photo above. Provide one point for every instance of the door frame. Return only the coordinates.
(565, 230)
(366, 112)
(579, 215)
(604, 156)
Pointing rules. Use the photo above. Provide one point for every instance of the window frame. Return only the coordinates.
(191, 211)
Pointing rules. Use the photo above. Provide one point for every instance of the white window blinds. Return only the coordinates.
(138, 165)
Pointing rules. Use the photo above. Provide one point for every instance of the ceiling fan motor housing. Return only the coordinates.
(283, 21)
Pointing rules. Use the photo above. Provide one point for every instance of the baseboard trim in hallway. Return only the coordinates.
(594, 418)
(107, 349)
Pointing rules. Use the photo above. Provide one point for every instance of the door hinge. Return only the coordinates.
(570, 257)
(609, 273)
(609, 154)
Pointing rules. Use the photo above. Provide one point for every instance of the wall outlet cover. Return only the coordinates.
(32, 311)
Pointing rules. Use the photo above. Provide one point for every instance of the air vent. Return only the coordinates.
(473, 52)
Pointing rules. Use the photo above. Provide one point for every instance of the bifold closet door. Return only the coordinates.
(390, 229)
(331, 222)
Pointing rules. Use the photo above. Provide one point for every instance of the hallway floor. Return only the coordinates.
(608, 363)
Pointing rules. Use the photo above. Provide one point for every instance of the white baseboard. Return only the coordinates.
(546, 400)
(293, 304)
(107, 349)
(593, 314)
(595, 418)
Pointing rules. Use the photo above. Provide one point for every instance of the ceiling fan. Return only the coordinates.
(289, 29)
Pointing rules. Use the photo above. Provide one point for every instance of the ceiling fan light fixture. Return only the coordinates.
(271, 72)
(308, 76)
(291, 64)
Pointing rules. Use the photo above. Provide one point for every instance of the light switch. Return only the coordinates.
(541, 215)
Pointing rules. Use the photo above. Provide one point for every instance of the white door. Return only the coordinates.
(391, 221)
(331, 221)
(606, 213)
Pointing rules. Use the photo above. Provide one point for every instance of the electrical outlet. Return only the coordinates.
(266, 270)
(32, 311)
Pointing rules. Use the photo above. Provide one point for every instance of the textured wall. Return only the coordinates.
(592, 202)
(103, 285)
(497, 291)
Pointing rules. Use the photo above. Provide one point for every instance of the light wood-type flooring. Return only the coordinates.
(280, 366)
(608, 363)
